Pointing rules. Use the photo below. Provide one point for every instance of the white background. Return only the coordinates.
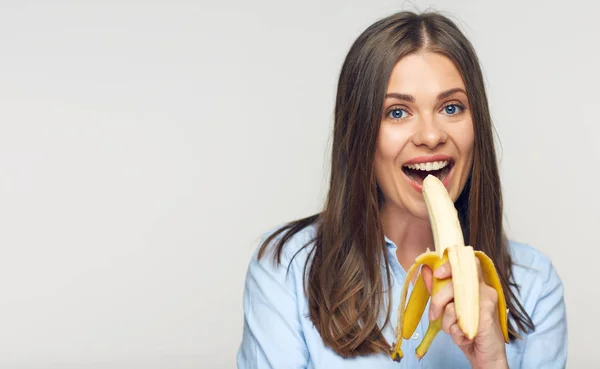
(144, 148)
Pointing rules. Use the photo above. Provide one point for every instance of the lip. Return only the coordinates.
(426, 159)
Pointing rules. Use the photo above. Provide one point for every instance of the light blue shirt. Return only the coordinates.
(278, 334)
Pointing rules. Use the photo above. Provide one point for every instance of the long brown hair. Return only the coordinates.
(346, 283)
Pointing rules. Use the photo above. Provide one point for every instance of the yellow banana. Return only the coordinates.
(449, 247)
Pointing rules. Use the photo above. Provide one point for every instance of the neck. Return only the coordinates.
(411, 235)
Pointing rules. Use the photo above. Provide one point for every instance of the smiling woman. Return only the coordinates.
(426, 129)
(321, 292)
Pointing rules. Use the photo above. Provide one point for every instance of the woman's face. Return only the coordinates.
(426, 128)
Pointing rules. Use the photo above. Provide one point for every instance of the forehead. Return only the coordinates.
(424, 74)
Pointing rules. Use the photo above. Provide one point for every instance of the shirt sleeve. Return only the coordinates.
(272, 334)
(546, 347)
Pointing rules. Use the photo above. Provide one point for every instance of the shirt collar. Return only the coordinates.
(389, 243)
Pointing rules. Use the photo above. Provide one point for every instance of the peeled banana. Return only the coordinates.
(449, 246)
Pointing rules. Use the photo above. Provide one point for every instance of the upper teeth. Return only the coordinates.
(432, 165)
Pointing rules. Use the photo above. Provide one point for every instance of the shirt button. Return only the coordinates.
(415, 336)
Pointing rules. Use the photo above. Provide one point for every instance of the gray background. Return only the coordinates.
(145, 147)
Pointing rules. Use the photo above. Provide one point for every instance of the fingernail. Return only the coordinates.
(439, 272)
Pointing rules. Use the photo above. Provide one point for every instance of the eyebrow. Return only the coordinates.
(410, 98)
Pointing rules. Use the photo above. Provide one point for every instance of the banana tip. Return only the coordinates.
(396, 353)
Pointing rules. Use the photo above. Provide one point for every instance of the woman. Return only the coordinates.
(322, 292)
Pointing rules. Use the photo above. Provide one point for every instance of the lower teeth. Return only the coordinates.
(418, 175)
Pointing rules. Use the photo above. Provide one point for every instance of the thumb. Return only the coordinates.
(427, 274)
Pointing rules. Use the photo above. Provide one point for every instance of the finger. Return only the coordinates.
(489, 323)
(440, 300)
(443, 271)
(449, 318)
(427, 277)
(488, 304)
(458, 337)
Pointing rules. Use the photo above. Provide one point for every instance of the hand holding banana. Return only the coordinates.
(467, 297)
(486, 349)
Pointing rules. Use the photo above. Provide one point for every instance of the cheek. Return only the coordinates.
(467, 142)
(390, 142)
(463, 136)
(464, 139)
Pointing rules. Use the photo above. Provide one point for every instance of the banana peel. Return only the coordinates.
(449, 247)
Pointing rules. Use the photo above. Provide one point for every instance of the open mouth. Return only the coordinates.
(418, 171)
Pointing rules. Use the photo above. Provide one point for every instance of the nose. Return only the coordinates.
(429, 133)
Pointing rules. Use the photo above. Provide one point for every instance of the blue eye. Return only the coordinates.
(452, 109)
(397, 114)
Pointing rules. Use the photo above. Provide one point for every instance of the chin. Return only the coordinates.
(420, 211)
(403, 205)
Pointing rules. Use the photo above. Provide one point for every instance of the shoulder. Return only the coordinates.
(540, 292)
(273, 293)
(528, 257)
(295, 249)
(534, 273)
(284, 267)
(529, 260)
